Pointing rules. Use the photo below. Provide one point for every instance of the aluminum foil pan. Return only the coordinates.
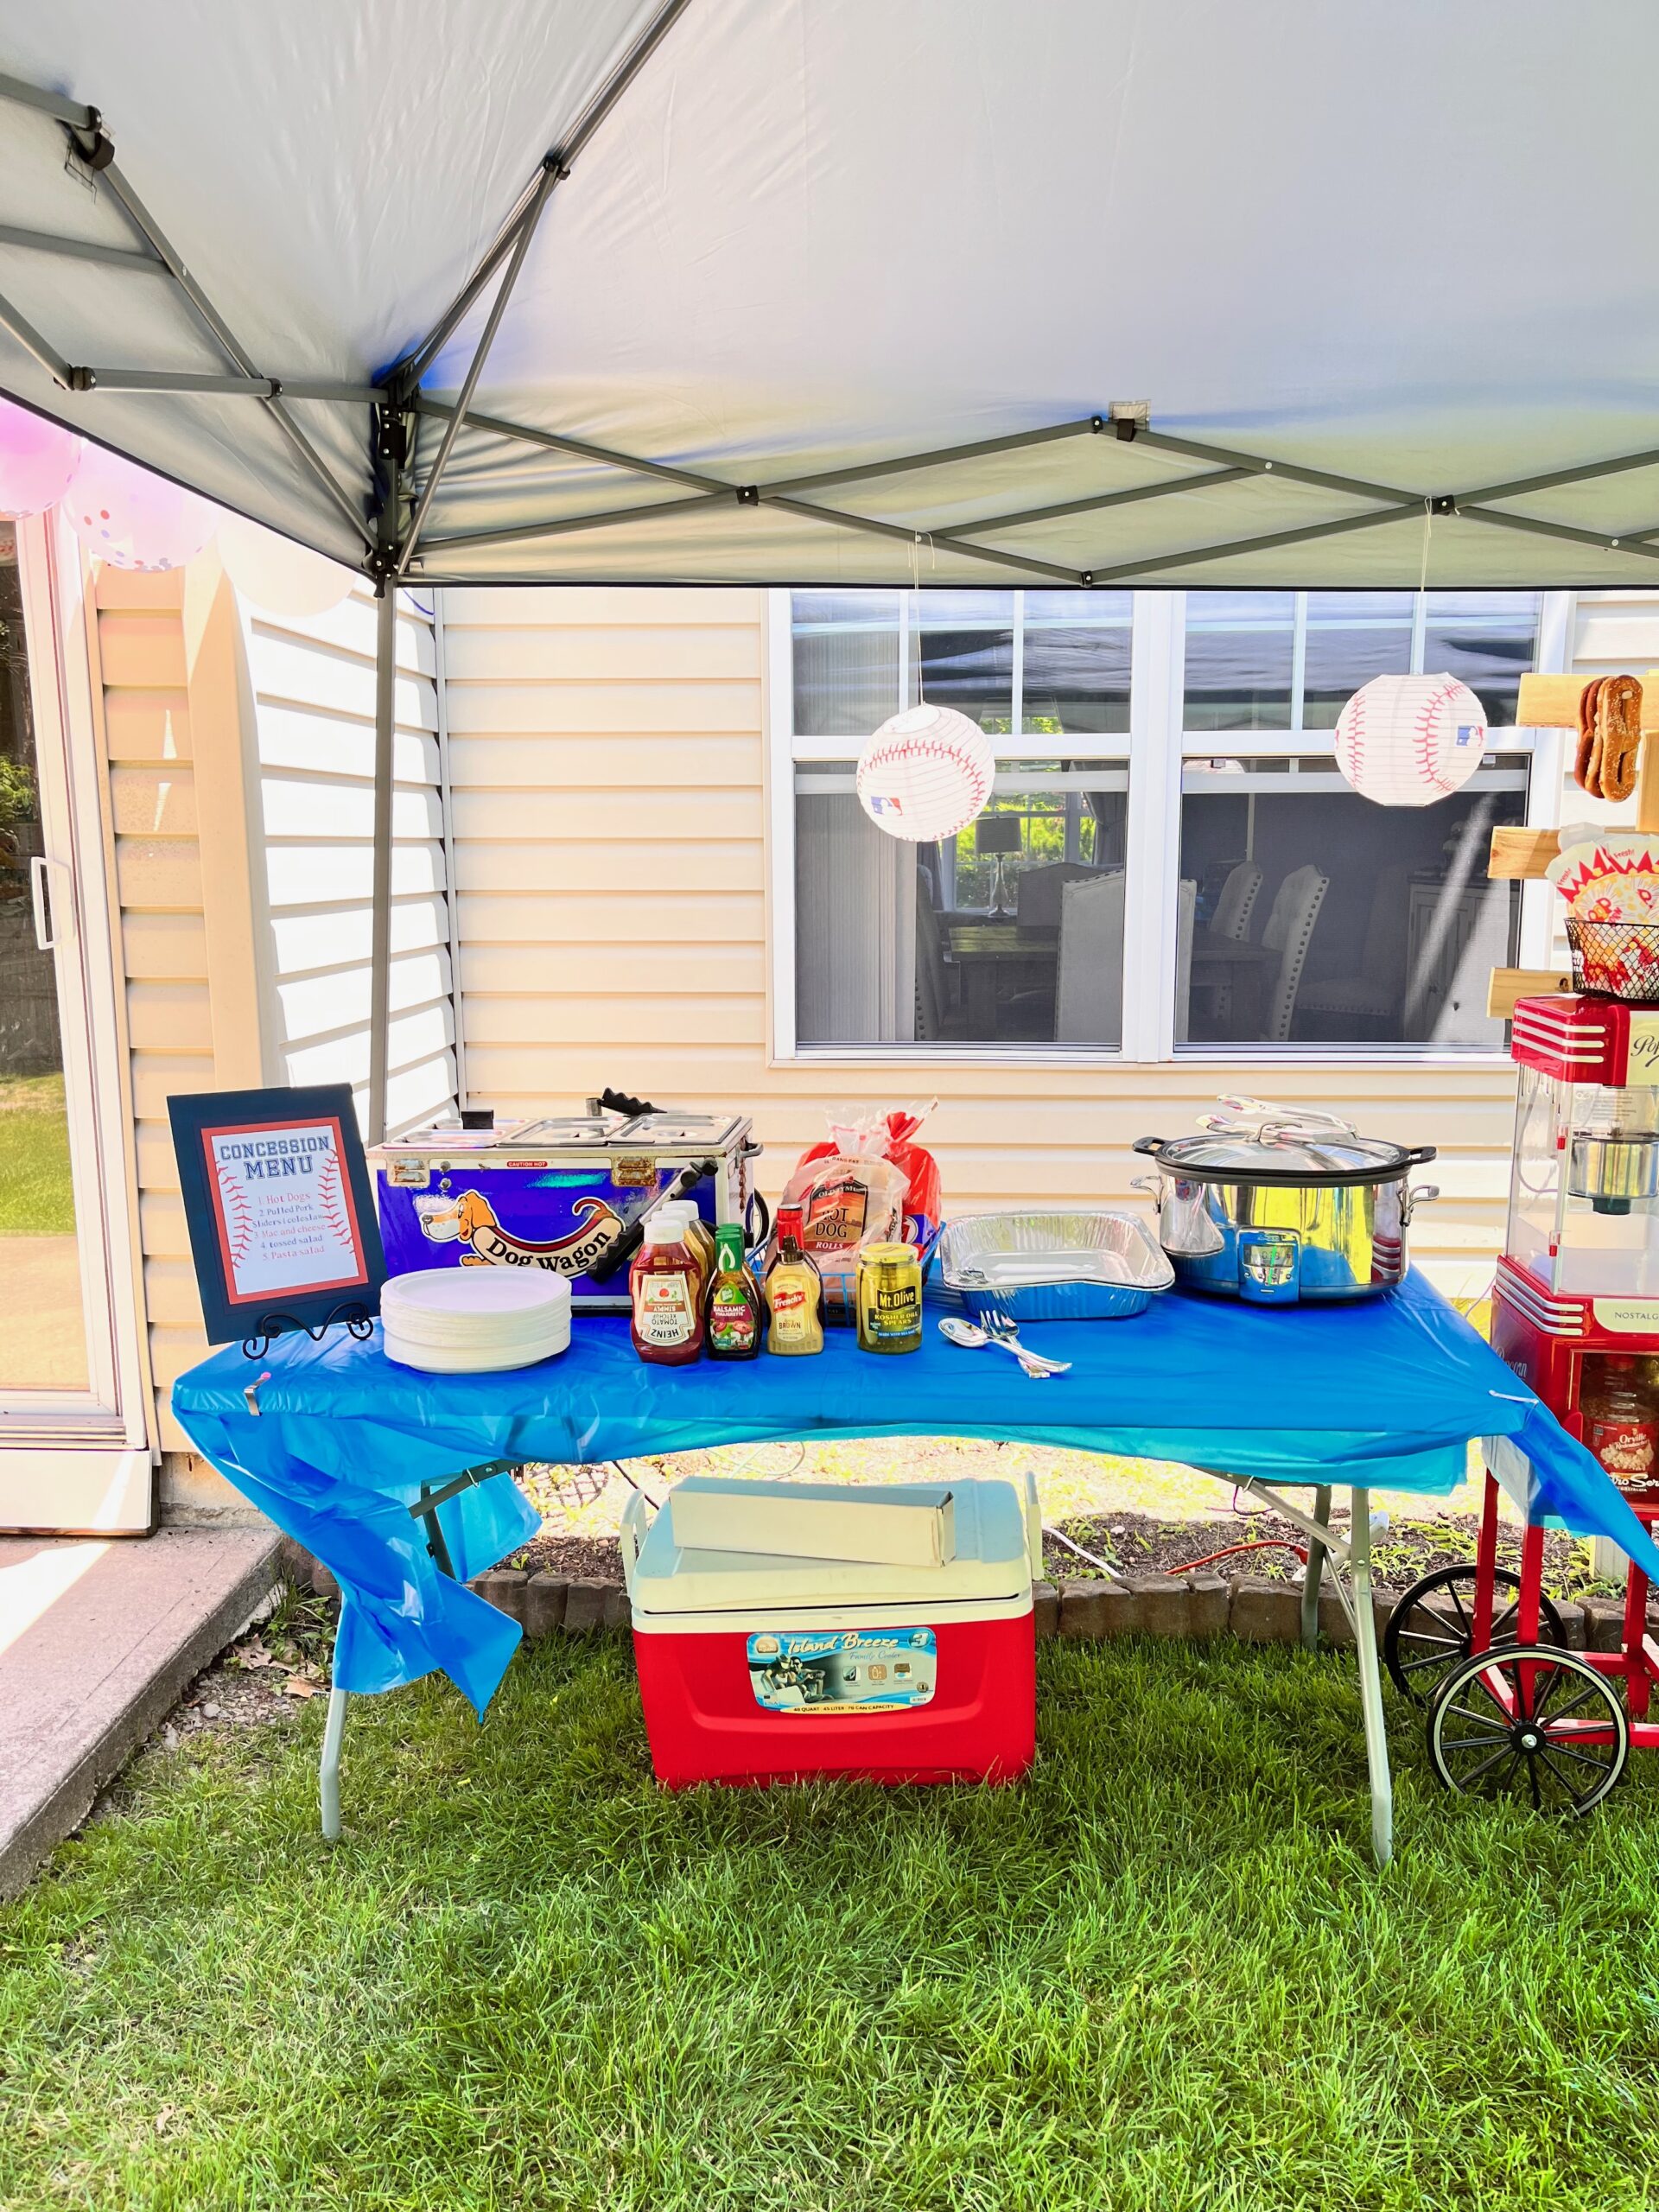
(1097, 1265)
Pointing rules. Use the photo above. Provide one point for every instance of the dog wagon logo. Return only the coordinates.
(469, 1219)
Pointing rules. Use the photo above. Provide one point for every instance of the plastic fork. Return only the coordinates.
(1002, 1328)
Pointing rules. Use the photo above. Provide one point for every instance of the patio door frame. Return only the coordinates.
(82, 1461)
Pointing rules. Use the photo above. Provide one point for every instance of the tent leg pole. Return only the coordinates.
(1315, 1571)
(1371, 1681)
(385, 685)
(328, 1772)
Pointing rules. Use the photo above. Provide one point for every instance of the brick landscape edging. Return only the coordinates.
(1187, 1606)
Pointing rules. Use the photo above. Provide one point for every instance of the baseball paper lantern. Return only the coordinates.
(131, 519)
(276, 575)
(38, 459)
(1408, 740)
(925, 774)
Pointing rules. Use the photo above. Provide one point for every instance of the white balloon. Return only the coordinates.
(925, 774)
(133, 518)
(1408, 740)
(276, 575)
(38, 459)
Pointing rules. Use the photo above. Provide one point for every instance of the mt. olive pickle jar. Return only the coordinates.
(889, 1298)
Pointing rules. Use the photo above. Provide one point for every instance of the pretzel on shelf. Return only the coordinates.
(1618, 736)
(1584, 766)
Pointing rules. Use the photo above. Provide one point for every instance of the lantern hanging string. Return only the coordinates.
(1428, 526)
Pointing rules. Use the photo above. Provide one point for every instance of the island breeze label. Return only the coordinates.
(284, 1209)
(841, 1672)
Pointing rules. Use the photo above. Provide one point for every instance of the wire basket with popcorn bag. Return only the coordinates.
(1610, 880)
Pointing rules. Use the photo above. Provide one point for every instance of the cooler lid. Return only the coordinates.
(669, 1130)
(991, 1562)
(562, 1131)
(446, 1136)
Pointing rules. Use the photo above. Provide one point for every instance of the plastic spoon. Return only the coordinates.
(965, 1333)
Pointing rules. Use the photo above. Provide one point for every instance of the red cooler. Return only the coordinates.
(772, 1666)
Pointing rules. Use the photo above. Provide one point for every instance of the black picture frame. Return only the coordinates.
(280, 1211)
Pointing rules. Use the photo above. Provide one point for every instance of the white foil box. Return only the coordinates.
(898, 1525)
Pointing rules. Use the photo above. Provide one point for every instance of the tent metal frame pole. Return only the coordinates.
(551, 173)
(555, 169)
(386, 693)
(71, 113)
(113, 256)
(407, 373)
(1136, 495)
(580, 448)
(38, 348)
(939, 457)
(1234, 466)
(226, 387)
(1124, 570)
(614, 517)
(217, 328)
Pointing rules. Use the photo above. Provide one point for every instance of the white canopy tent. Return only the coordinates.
(834, 291)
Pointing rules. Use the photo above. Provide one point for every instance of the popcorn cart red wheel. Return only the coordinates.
(1533, 1723)
(1431, 1630)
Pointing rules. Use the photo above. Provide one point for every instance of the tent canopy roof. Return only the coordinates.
(1397, 253)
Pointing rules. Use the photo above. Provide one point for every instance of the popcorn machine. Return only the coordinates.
(1578, 1285)
(1575, 1312)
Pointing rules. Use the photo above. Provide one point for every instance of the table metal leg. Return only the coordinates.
(1370, 1679)
(1315, 1573)
(328, 1773)
(1350, 1577)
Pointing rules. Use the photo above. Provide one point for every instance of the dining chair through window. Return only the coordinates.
(1037, 890)
(1370, 1004)
(1237, 900)
(1288, 933)
(1089, 993)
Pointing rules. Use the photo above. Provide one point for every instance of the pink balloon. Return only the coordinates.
(131, 519)
(38, 459)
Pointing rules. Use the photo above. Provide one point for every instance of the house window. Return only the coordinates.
(1323, 920)
(1256, 902)
(1011, 934)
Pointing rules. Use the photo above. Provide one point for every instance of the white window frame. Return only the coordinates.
(1156, 749)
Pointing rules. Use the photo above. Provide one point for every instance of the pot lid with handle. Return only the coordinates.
(1260, 1144)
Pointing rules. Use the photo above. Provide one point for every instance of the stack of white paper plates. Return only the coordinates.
(474, 1320)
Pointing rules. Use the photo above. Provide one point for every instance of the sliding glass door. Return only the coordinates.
(72, 1448)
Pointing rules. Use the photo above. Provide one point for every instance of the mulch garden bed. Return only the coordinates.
(1138, 1543)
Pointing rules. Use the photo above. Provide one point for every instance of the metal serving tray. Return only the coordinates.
(1099, 1265)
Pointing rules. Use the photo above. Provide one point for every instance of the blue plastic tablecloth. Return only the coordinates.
(1385, 1392)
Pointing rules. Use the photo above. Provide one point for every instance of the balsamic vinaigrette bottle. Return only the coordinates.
(734, 1310)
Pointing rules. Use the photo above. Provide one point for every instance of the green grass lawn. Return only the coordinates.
(36, 1200)
(1161, 1974)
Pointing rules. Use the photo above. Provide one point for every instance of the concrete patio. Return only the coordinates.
(97, 1641)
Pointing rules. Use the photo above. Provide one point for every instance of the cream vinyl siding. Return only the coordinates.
(608, 770)
(240, 766)
(313, 818)
(140, 651)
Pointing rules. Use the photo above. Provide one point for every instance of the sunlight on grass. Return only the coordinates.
(1159, 1974)
(35, 1198)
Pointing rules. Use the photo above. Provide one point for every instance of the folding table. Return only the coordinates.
(401, 1482)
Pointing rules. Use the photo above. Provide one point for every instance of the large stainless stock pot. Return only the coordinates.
(1279, 1207)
